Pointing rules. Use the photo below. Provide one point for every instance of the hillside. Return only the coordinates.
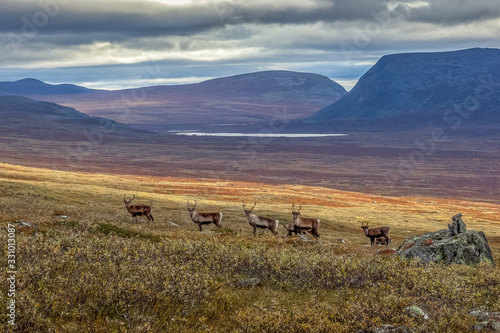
(36, 87)
(240, 99)
(24, 117)
(86, 265)
(420, 87)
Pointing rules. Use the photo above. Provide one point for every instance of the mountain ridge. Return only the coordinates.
(420, 86)
(29, 86)
(241, 99)
(25, 117)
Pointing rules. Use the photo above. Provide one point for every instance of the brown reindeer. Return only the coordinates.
(260, 222)
(202, 218)
(138, 210)
(375, 233)
(305, 223)
(290, 228)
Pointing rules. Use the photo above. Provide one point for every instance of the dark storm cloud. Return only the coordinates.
(451, 12)
(136, 18)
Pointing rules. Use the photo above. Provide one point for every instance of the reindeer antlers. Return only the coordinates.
(195, 203)
(130, 199)
(293, 208)
(254, 204)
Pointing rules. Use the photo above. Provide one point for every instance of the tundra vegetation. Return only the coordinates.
(92, 268)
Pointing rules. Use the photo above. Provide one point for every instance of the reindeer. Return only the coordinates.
(290, 228)
(305, 223)
(375, 233)
(201, 218)
(259, 221)
(138, 210)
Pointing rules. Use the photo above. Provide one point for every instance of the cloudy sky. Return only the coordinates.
(113, 44)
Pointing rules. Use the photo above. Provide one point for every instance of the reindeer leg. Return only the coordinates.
(199, 225)
(152, 219)
(254, 230)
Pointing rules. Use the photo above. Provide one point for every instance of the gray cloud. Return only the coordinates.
(117, 38)
(451, 12)
(138, 18)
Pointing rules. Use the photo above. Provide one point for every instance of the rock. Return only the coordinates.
(24, 224)
(387, 328)
(340, 240)
(486, 322)
(468, 248)
(304, 238)
(480, 326)
(416, 312)
(494, 326)
(172, 224)
(27, 227)
(483, 317)
(252, 282)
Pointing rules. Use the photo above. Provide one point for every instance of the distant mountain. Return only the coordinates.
(25, 108)
(36, 87)
(25, 117)
(248, 98)
(276, 85)
(420, 87)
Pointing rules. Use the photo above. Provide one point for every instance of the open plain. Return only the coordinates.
(85, 264)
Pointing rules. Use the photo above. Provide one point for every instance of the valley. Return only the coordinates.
(378, 155)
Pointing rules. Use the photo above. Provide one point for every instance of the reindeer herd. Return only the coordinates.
(298, 225)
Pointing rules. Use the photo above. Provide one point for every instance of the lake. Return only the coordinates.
(266, 135)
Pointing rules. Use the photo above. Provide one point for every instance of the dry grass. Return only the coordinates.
(98, 270)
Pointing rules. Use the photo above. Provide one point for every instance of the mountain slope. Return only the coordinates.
(241, 99)
(36, 87)
(24, 117)
(423, 87)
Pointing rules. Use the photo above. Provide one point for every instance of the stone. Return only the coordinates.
(468, 248)
(172, 224)
(480, 326)
(340, 240)
(457, 225)
(304, 238)
(252, 282)
(480, 315)
(494, 326)
(416, 312)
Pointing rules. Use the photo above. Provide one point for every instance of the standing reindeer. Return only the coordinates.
(292, 229)
(304, 223)
(201, 218)
(375, 233)
(260, 222)
(138, 210)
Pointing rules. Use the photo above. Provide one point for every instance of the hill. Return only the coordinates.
(418, 88)
(241, 99)
(36, 87)
(85, 263)
(24, 117)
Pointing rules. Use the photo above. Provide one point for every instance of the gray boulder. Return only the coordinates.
(467, 248)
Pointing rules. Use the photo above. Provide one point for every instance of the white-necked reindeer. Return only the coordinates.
(138, 210)
(304, 223)
(202, 218)
(260, 221)
(376, 234)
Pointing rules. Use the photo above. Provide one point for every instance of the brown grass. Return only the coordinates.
(98, 270)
